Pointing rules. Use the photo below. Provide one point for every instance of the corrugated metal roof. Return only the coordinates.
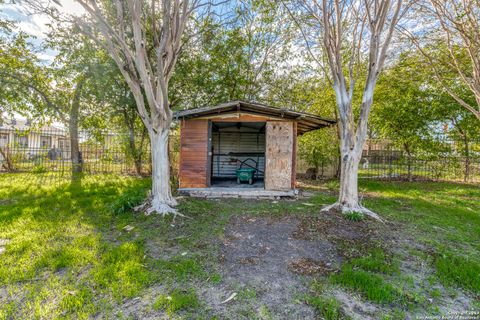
(305, 121)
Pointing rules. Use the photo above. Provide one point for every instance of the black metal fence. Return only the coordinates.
(48, 149)
(435, 160)
(443, 159)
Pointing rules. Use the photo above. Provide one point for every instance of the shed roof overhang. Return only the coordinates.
(305, 121)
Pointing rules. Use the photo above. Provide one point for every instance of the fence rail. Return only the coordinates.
(49, 150)
(441, 160)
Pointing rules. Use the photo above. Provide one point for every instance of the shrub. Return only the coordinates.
(128, 200)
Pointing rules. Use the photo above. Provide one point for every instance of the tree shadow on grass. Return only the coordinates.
(56, 229)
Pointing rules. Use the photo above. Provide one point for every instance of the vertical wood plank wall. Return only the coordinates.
(294, 156)
(193, 154)
(279, 155)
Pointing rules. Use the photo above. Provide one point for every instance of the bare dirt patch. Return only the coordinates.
(269, 259)
(261, 257)
(309, 267)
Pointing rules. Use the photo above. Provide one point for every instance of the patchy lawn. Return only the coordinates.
(77, 250)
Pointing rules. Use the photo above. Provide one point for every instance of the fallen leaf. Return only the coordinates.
(128, 228)
(232, 296)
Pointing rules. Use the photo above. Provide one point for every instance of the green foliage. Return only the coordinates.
(354, 216)
(176, 301)
(25, 81)
(128, 200)
(39, 168)
(402, 112)
(454, 270)
(327, 308)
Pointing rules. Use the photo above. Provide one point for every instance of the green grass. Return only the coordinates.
(458, 271)
(67, 254)
(376, 261)
(369, 284)
(176, 301)
(327, 308)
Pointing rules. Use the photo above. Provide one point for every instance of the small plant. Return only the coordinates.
(354, 216)
(127, 201)
(176, 301)
(327, 308)
(39, 168)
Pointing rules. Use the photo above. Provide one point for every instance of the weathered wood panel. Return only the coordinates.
(294, 155)
(193, 154)
(279, 155)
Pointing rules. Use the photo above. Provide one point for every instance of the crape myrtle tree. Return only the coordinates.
(145, 38)
(349, 32)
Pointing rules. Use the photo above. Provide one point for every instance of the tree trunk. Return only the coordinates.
(8, 164)
(75, 156)
(348, 197)
(467, 158)
(134, 152)
(162, 199)
(409, 162)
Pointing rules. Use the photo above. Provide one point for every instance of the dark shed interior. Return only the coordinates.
(237, 145)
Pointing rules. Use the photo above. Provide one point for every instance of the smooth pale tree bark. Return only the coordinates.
(350, 33)
(144, 38)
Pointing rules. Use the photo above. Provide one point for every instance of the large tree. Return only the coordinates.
(145, 38)
(350, 32)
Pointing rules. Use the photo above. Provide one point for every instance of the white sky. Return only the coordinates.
(36, 25)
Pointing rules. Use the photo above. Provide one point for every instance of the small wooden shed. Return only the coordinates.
(216, 141)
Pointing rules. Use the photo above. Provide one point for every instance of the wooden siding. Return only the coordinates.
(279, 154)
(294, 155)
(193, 154)
(230, 145)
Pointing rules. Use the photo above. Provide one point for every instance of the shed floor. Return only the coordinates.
(232, 183)
(231, 192)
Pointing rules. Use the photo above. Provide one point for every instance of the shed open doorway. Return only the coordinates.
(237, 154)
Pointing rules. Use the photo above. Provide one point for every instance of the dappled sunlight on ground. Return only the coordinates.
(75, 248)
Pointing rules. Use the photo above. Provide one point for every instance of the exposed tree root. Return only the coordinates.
(155, 206)
(349, 209)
